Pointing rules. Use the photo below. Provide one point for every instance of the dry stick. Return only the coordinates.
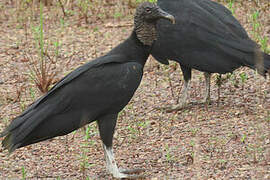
(62, 7)
(96, 42)
(32, 68)
(49, 68)
(25, 31)
(38, 76)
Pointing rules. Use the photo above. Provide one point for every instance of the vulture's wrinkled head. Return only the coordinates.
(146, 16)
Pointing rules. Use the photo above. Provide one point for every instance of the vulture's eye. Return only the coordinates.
(148, 10)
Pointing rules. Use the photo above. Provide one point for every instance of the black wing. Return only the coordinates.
(92, 90)
(74, 74)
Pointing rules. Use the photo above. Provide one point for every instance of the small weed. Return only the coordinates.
(231, 6)
(194, 131)
(257, 30)
(32, 93)
(133, 131)
(84, 6)
(255, 152)
(43, 68)
(90, 130)
(141, 125)
(222, 161)
(243, 138)
(264, 44)
(192, 144)
(140, 1)
(87, 136)
(243, 77)
(84, 164)
(255, 24)
(118, 15)
(234, 80)
(168, 155)
(23, 173)
(41, 75)
(56, 46)
(22, 106)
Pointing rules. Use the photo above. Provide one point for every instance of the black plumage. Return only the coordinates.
(205, 37)
(96, 91)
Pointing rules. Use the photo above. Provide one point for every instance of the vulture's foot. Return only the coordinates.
(207, 100)
(176, 107)
(129, 174)
(131, 171)
(116, 172)
(172, 108)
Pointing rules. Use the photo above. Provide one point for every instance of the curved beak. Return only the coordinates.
(165, 15)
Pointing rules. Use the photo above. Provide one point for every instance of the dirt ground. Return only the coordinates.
(229, 139)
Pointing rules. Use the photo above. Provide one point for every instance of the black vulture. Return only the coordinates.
(96, 91)
(208, 38)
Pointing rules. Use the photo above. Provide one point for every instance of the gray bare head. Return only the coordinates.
(146, 16)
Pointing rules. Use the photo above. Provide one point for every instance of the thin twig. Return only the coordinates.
(62, 7)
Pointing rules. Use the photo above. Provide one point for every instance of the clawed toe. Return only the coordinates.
(130, 174)
(175, 108)
(134, 176)
(131, 171)
(207, 101)
(172, 108)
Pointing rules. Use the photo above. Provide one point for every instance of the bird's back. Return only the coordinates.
(205, 36)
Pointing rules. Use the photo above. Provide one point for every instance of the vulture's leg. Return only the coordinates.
(106, 125)
(207, 77)
(187, 77)
(184, 97)
(219, 82)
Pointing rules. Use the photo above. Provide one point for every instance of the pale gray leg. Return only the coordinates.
(207, 87)
(183, 100)
(111, 164)
(112, 168)
(185, 95)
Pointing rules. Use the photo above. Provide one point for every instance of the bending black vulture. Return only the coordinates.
(205, 37)
(96, 91)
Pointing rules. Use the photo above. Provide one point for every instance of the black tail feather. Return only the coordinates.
(18, 130)
(8, 144)
(262, 62)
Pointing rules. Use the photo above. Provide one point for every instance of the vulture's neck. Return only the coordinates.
(146, 32)
(133, 49)
(137, 47)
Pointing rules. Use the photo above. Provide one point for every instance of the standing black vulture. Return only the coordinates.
(205, 37)
(96, 91)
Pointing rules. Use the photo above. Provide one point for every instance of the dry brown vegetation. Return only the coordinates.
(229, 140)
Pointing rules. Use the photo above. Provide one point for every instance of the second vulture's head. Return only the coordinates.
(146, 16)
